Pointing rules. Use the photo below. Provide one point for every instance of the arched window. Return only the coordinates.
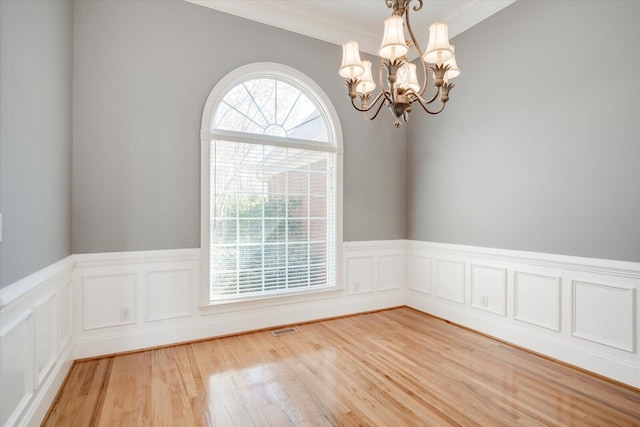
(271, 185)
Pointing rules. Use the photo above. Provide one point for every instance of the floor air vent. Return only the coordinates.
(284, 332)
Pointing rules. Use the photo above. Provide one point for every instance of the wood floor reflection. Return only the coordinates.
(391, 368)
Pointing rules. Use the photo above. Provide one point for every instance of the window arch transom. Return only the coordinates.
(271, 107)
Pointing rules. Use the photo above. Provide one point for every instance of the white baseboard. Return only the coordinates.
(231, 323)
(577, 310)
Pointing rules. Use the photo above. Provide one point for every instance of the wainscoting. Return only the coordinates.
(577, 310)
(128, 301)
(36, 349)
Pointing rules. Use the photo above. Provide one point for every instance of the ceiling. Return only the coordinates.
(337, 21)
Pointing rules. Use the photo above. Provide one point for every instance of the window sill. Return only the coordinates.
(253, 302)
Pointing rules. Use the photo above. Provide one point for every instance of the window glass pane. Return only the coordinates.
(318, 183)
(275, 230)
(226, 258)
(317, 206)
(275, 205)
(298, 206)
(297, 230)
(249, 205)
(224, 231)
(318, 161)
(250, 230)
(223, 283)
(317, 230)
(275, 256)
(270, 107)
(298, 182)
(250, 257)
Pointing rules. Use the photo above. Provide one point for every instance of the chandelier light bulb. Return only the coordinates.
(408, 78)
(351, 67)
(393, 43)
(438, 49)
(454, 71)
(366, 84)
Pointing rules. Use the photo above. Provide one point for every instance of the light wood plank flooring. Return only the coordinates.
(391, 368)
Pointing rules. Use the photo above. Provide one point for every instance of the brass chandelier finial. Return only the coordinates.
(401, 88)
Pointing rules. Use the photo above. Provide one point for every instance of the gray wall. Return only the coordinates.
(539, 148)
(142, 73)
(35, 135)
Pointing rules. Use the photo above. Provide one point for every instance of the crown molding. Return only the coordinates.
(293, 16)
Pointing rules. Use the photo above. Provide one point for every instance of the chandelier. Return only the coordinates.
(401, 89)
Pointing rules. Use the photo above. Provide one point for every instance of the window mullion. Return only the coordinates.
(308, 223)
(286, 219)
(262, 201)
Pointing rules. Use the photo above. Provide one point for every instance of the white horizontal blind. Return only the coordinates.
(273, 219)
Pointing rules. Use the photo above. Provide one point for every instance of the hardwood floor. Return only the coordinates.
(395, 367)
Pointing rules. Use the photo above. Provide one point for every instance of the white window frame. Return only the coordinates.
(307, 86)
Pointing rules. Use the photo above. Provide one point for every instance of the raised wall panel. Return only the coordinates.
(169, 294)
(450, 280)
(359, 274)
(604, 314)
(104, 297)
(45, 330)
(537, 300)
(391, 272)
(16, 368)
(489, 289)
(419, 273)
(65, 316)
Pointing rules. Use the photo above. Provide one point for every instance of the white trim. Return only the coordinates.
(46, 287)
(371, 245)
(619, 362)
(631, 298)
(37, 409)
(234, 322)
(516, 314)
(39, 376)
(20, 289)
(591, 265)
(293, 16)
(269, 300)
(135, 257)
(210, 321)
(227, 135)
(334, 133)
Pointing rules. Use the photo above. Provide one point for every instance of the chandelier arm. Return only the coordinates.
(389, 96)
(376, 113)
(363, 110)
(417, 46)
(424, 105)
(416, 97)
(435, 96)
